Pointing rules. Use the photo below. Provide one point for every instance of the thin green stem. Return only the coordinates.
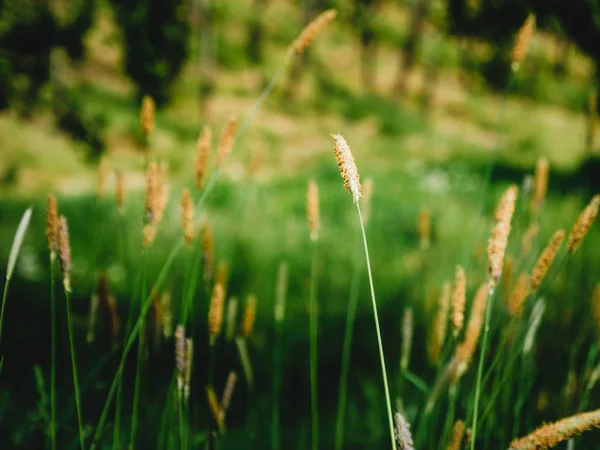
(6, 283)
(52, 353)
(181, 432)
(276, 386)
(346, 351)
(379, 342)
(74, 367)
(140, 351)
(488, 315)
(314, 357)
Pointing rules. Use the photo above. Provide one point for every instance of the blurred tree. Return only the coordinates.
(363, 18)
(156, 35)
(256, 32)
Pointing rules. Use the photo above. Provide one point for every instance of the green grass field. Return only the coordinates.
(418, 159)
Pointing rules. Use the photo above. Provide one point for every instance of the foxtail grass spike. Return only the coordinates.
(440, 325)
(458, 432)
(541, 184)
(583, 224)
(499, 240)
(147, 113)
(64, 252)
(249, 316)
(534, 323)
(228, 394)
(215, 407)
(518, 294)
(52, 224)
(180, 358)
(402, 430)
(458, 301)
(187, 216)
(347, 166)
(202, 154)
(550, 435)
(189, 357)
(312, 30)
(215, 312)
(546, 259)
(522, 41)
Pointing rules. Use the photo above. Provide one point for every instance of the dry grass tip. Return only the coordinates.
(64, 252)
(458, 432)
(583, 224)
(459, 291)
(541, 184)
(312, 30)
(249, 316)
(499, 240)
(147, 112)
(52, 225)
(215, 312)
(202, 153)
(347, 165)
(521, 46)
(553, 434)
(546, 259)
(187, 216)
(402, 432)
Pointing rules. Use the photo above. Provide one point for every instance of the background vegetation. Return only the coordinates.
(423, 92)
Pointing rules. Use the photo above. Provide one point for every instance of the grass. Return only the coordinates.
(437, 162)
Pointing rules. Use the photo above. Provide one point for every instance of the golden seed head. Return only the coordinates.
(148, 235)
(347, 166)
(546, 259)
(222, 276)
(312, 209)
(187, 216)
(528, 237)
(583, 224)
(228, 393)
(180, 357)
(227, 139)
(440, 325)
(202, 153)
(152, 193)
(249, 316)
(207, 251)
(312, 30)
(518, 294)
(458, 432)
(499, 240)
(424, 228)
(466, 349)
(64, 251)
(215, 312)
(163, 191)
(458, 300)
(215, 408)
(102, 175)
(147, 115)
(52, 224)
(552, 434)
(521, 46)
(541, 184)
(120, 191)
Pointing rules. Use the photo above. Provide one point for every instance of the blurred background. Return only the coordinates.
(423, 91)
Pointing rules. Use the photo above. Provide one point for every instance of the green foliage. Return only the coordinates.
(155, 35)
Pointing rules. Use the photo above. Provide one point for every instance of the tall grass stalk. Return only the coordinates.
(169, 260)
(379, 342)
(52, 352)
(279, 316)
(346, 351)
(139, 360)
(74, 367)
(12, 259)
(314, 341)
(486, 328)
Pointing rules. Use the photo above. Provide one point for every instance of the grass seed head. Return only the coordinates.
(215, 312)
(458, 432)
(312, 30)
(180, 357)
(226, 140)
(583, 224)
(152, 193)
(208, 256)
(402, 432)
(64, 251)
(347, 165)
(187, 216)
(189, 357)
(552, 434)
(407, 337)
(466, 349)
(215, 407)
(312, 210)
(518, 294)
(521, 46)
(546, 259)
(228, 394)
(147, 113)
(441, 324)
(202, 154)
(499, 240)
(458, 300)
(52, 224)
(249, 316)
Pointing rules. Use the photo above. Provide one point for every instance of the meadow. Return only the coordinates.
(270, 287)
